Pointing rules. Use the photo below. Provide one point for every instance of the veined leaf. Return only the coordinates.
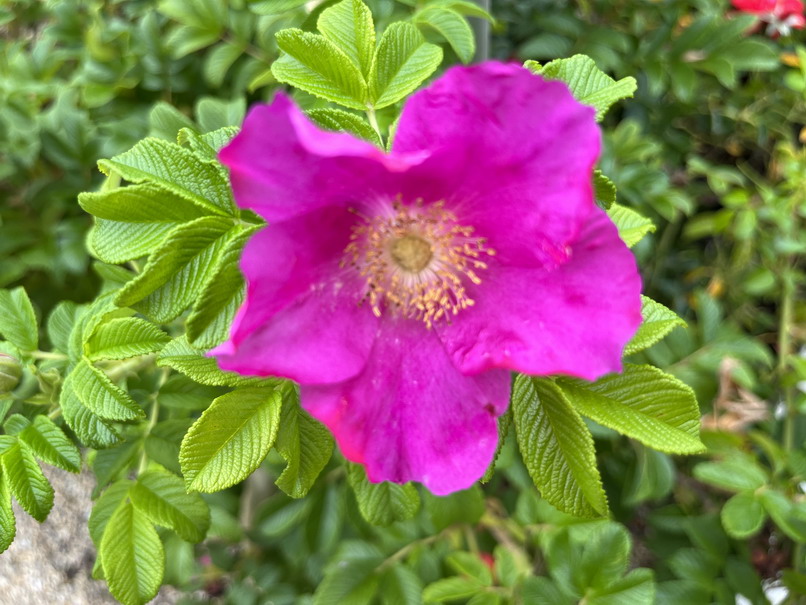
(18, 320)
(177, 170)
(273, 7)
(162, 498)
(382, 503)
(207, 145)
(632, 227)
(743, 515)
(353, 581)
(457, 588)
(605, 189)
(658, 322)
(105, 507)
(737, 473)
(588, 83)
(8, 524)
(349, 26)
(193, 363)
(644, 403)
(178, 269)
(60, 324)
(27, 483)
(316, 65)
(343, 121)
(557, 447)
(49, 443)
(402, 62)
(305, 444)
(452, 26)
(132, 556)
(125, 337)
(230, 439)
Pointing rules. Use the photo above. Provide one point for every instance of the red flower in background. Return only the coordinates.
(782, 16)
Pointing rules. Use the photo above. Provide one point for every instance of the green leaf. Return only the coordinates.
(463, 7)
(316, 65)
(18, 320)
(557, 448)
(51, 445)
(604, 189)
(131, 221)
(132, 556)
(105, 507)
(632, 227)
(588, 83)
(8, 524)
(466, 506)
(644, 403)
(636, 588)
(470, 565)
(162, 498)
(26, 481)
(178, 269)
(451, 589)
(305, 444)
(352, 581)
(658, 322)
(743, 515)
(382, 503)
(60, 323)
(125, 337)
(230, 439)
(402, 586)
(165, 121)
(207, 145)
(162, 443)
(177, 170)
(182, 357)
(348, 24)
(343, 121)
(787, 515)
(451, 26)
(402, 62)
(737, 473)
(219, 60)
(215, 114)
(209, 322)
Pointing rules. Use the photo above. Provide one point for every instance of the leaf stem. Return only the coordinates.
(373, 121)
(49, 355)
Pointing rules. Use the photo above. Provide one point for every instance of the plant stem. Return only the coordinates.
(48, 355)
(373, 121)
(784, 351)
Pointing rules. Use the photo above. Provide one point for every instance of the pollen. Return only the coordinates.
(417, 261)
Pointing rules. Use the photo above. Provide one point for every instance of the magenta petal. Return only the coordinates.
(301, 318)
(410, 415)
(281, 164)
(574, 319)
(512, 154)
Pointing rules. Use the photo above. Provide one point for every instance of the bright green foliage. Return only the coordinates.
(26, 482)
(18, 320)
(8, 524)
(105, 507)
(230, 439)
(632, 227)
(162, 498)
(466, 506)
(181, 356)
(49, 443)
(337, 119)
(658, 322)
(124, 338)
(644, 403)
(402, 62)
(789, 516)
(557, 447)
(352, 578)
(737, 473)
(743, 515)
(304, 443)
(349, 25)
(452, 26)
(132, 556)
(587, 82)
(382, 503)
(604, 189)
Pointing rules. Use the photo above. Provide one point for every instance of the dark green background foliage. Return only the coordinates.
(214, 482)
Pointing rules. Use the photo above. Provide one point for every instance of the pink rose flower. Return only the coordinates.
(401, 289)
(782, 16)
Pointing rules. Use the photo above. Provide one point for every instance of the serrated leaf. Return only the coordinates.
(209, 322)
(354, 581)
(588, 83)
(8, 524)
(132, 556)
(403, 60)
(636, 588)
(451, 26)
(644, 403)
(214, 114)
(348, 24)
(49, 443)
(604, 189)
(464, 7)
(557, 448)
(165, 121)
(193, 363)
(342, 121)
(382, 503)
(26, 482)
(162, 498)
(207, 145)
(177, 170)
(125, 337)
(451, 589)
(314, 64)
(89, 318)
(163, 441)
(657, 322)
(103, 509)
(230, 439)
(218, 62)
(178, 270)
(632, 227)
(402, 586)
(743, 515)
(737, 473)
(91, 429)
(60, 324)
(305, 444)
(18, 320)
(131, 221)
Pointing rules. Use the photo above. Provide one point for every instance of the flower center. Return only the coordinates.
(416, 261)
